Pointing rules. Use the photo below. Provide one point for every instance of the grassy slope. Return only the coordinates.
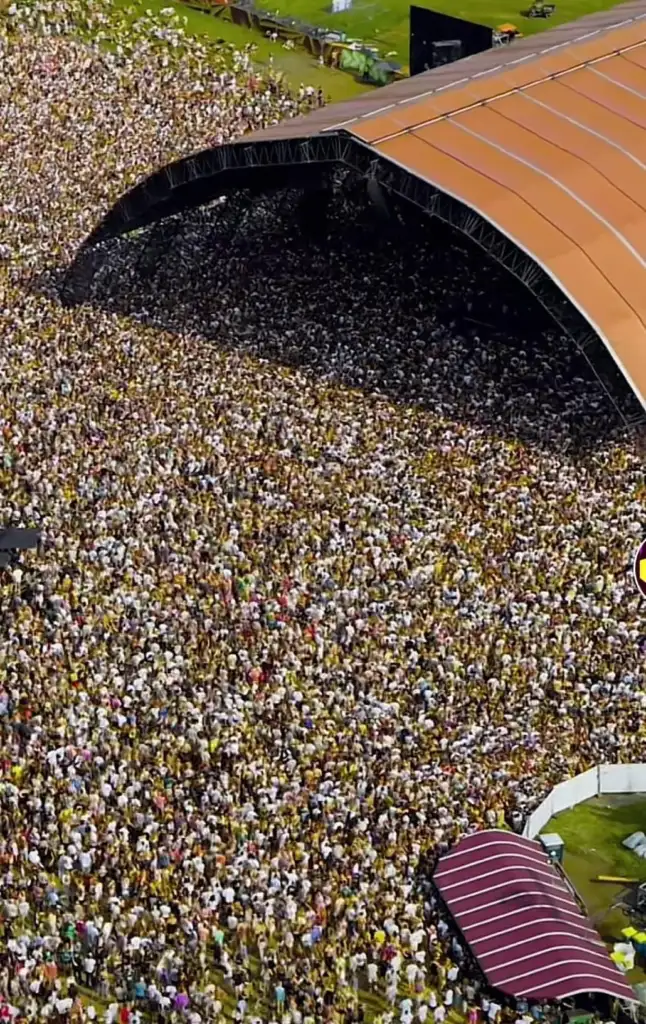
(381, 22)
(593, 833)
(297, 65)
(385, 22)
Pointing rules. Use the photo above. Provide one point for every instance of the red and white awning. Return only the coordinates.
(522, 922)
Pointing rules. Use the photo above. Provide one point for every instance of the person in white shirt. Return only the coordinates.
(493, 1011)
(416, 939)
(89, 967)
(111, 1013)
(406, 1011)
(411, 973)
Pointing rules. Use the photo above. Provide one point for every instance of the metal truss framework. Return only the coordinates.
(266, 166)
(259, 166)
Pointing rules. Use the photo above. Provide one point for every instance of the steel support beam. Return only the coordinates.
(154, 198)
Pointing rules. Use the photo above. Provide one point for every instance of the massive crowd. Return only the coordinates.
(335, 567)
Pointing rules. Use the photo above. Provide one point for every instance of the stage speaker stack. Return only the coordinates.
(445, 52)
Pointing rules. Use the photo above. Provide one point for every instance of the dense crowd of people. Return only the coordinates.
(335, 567)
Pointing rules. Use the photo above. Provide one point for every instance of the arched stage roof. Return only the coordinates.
(521, 921)
(536, 150)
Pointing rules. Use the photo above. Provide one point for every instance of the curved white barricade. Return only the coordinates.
(605, 778)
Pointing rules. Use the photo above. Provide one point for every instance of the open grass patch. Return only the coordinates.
(386, 23)
(593, 834)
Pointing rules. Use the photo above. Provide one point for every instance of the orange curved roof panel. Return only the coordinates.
(569, 263)
(471, 71)
(552, 152)
(609, 96)
(545, 139)
(574, 109)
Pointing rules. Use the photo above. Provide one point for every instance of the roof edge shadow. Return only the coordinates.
(197, 179)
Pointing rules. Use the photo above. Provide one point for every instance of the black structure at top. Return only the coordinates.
(428, 28)
(309, 163)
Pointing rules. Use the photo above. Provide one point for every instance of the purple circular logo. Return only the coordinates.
(639, 568)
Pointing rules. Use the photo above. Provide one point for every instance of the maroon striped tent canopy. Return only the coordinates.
(521, 921)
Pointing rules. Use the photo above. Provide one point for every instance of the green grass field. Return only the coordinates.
(593, 833)
(385, 22)
(297, 65)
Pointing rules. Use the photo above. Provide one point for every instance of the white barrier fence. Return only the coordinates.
(606, 778)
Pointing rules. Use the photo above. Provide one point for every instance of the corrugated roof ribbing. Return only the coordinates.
(544, 139)
(552, 153)
(522, 922)
(489, 63)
